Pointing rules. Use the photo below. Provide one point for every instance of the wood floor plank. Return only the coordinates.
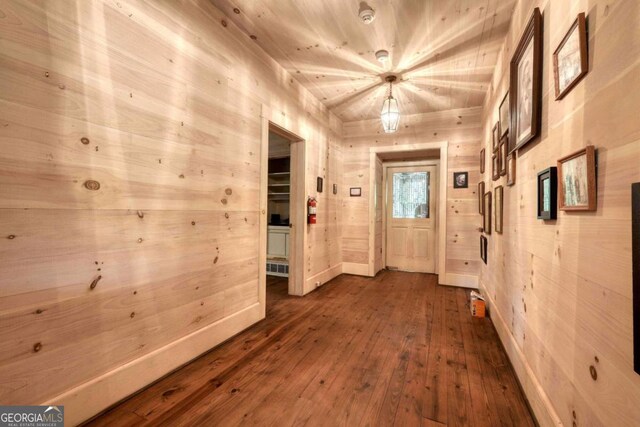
(396, 349)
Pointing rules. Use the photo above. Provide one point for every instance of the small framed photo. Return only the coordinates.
(495, 137)
(480, 195)
(511, 169)
(503, 113)
(355, 191)
(525, 92)
(335, 188)
(570, 60)
(461, 180)
(503, 152)
(482, 158)
(497, 208)
(319, 184)
(486, 209)
(495, 166)
(483, 249)
(547, 194)
(577, 179)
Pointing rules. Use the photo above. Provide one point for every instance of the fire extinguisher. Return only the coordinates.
(311, 210)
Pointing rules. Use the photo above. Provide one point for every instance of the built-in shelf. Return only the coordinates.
(278, 185)
(279, 173)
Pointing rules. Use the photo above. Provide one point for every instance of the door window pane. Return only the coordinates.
(411, 195)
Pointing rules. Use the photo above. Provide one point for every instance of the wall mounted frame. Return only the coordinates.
(547, 194)
(525, 92)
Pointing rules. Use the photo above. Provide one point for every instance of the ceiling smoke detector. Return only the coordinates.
(382, 56)
(367, 14)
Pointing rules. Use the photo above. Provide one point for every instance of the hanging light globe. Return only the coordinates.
(390, 114)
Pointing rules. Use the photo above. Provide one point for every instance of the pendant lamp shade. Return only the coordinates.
(390, 114)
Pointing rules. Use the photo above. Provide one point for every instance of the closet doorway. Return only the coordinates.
(285, 221)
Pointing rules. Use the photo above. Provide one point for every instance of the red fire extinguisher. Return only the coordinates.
(311, 210)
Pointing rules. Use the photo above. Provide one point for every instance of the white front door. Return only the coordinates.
(411, 218)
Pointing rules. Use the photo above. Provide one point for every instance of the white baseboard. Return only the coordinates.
(92, 397)
(460, 280)
(322, 278)
(540, 403)
(355, 268)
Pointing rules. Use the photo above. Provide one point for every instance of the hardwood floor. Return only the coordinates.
(392, 350)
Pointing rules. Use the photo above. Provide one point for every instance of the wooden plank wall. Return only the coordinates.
(130, 144)
(462, 129)
(560, 291)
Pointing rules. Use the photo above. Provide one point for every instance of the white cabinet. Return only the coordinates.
(278, 242)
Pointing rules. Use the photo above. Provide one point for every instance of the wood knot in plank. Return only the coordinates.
(11, 236)
(92, 185)
(140, 214)
(228, 191)
(85, 140)
(95, 282)
(37, 347)
(593, 372)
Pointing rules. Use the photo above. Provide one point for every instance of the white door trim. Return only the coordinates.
(442, 200)
(297, 206)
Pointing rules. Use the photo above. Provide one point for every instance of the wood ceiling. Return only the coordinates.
(443, 51)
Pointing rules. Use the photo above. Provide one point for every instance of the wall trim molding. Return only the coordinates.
(539, 402)
(94, 396)
(459, 280)
(322, 277)
(356, 268)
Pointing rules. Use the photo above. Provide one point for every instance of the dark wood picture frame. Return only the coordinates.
(503, 115)
(511, 169)
(495, 137)
(483, 248)
(503, 152)
(319, 184)
(495, 166)
(635, 244)
(548, 212)
(590, 180)
(532, 34)
(480, 195)
(486, 209)
(579, 25)
(497, 208)
(464, 184)
(483, 155)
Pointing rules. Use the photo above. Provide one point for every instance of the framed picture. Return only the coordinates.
(355, 191)
(335, 188)
(319, 185)
(577, 177)
(486, 209)
(511, 169)
(495, 136)
(635, 243)
(495, 166)
(480, 195)
(503, 150)
(497, 208)
(482, 157)
(547, 194)
(483, 249)
(461, 180)
(503, 113)
(525, 91)
(570, 60)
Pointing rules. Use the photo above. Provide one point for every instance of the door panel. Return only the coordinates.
(411, 223)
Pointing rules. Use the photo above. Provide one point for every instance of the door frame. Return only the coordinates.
(297, 207)
(385, 200)
(442, 146)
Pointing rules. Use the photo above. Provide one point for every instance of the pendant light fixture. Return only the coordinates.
(390, 114)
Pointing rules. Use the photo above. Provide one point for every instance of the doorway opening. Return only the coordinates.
(283, 209)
